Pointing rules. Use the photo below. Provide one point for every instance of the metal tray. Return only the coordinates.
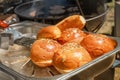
(85, 72)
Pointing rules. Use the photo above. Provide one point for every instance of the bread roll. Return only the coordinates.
(54, 31)
(42, 51)
(74, 21)
(71, 35)
(69, 57)
(98, 44)
(51, 32)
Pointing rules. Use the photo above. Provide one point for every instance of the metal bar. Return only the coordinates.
(117, 19)
(79, 7)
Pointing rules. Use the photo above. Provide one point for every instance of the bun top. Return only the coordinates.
(74, 21)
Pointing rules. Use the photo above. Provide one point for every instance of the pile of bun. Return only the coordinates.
(66, 46)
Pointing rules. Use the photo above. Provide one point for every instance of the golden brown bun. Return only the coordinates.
(98, 44)
(42, 51)
(51, 32)
(70, 56)
(54, 31)
(71, 35)
(74, 21)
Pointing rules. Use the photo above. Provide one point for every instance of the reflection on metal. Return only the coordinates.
(6, 39)
(4, 76)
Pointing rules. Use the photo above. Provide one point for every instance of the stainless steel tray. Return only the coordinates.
(86, 72)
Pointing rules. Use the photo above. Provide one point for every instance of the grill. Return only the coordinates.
(51, 13)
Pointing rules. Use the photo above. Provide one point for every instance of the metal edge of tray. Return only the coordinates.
(5, 76)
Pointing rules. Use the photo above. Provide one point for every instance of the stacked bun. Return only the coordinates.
(66, 46)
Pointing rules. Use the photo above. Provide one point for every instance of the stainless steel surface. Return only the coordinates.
(27, 31)
(6, 39)
(11, 20)
(86, 72)
(12, 31)
(28, 27)
(4, 76)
